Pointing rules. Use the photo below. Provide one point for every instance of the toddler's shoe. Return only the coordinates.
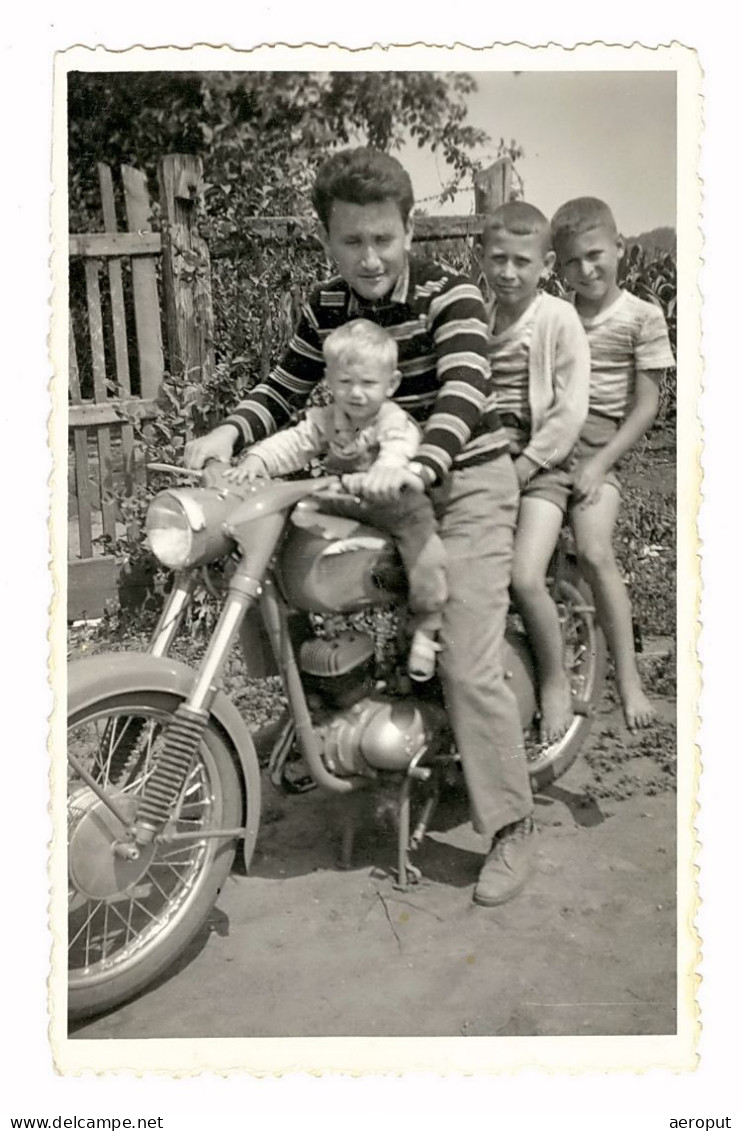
(421, 660)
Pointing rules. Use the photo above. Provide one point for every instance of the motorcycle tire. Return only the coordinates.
(585, 657)
(130, 920)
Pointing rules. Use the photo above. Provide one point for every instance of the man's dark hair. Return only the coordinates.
(361, 176)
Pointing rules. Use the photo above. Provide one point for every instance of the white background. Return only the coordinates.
(528, 1100)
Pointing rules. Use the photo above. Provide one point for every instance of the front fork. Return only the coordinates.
(184, 733)
(172, 613)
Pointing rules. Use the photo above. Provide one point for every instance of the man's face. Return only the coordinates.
(513, 266)
(590, 261)
(369, 243)
(360, 385)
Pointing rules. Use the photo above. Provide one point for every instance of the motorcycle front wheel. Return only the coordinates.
(128, 920)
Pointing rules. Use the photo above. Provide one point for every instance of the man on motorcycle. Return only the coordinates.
(364, 199)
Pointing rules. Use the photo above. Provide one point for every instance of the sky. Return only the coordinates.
(610, 134)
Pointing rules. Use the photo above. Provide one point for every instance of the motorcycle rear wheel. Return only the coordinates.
(129, 920)
(585, 662)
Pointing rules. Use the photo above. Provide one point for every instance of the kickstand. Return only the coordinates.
(407, 873)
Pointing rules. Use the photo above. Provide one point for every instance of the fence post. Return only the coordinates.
(186, 269)
(492, 186)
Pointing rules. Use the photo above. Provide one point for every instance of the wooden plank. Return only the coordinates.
(279, 229)
(144, 284)
(118, 314)
(103, 244)
(90, 583)
(82, 470)
(97, 349)
(90, 415)
(186, 269)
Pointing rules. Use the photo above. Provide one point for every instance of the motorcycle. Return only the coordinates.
(164, 777)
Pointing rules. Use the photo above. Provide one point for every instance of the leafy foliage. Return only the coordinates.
(262, 136)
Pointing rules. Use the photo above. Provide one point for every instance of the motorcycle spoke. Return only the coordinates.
(91, 915)
(153, 881)
(175, 851)
(141, 907)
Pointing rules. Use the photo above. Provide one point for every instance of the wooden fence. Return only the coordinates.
(145, 307)
(136, 281)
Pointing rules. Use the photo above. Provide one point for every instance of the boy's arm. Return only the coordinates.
(564, 418)
(458, 323)
(399, 437)
(590, 474)
(653, 355)
(293, 448)
(399, 440)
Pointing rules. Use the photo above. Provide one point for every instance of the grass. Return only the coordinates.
(645, 531)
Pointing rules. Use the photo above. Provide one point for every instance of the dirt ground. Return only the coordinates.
(300, 948)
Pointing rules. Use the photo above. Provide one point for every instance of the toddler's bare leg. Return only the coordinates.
(593, 527)
(539, 523)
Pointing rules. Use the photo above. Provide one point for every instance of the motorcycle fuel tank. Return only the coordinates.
(330, 563)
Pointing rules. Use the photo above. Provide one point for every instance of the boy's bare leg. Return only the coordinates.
(593, 528)
(539, 523)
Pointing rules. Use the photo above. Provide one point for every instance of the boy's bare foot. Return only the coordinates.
(637, 709)
(556, 710)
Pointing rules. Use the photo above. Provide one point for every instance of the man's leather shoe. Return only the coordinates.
(508, 864)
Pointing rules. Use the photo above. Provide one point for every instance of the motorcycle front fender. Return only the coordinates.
(120, 673)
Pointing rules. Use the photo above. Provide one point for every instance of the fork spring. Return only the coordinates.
(169, 773)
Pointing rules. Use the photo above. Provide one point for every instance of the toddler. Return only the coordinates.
(363, 428)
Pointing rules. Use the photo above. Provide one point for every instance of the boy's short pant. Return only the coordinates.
(555, 483)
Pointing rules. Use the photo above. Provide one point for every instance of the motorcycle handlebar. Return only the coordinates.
(174, 469)
(331, 485)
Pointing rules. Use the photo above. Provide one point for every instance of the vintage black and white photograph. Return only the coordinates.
(374, 405)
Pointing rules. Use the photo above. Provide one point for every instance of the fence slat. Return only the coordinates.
(82, 470)
(144, 284)
(98, 354)
(118, 312)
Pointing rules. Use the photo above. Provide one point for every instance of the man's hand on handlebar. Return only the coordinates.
(217, 444)
(382, 484)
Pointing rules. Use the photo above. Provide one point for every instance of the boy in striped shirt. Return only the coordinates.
(629, 350)
(364, 201)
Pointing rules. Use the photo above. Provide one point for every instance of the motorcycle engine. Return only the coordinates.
(338, 672)
(362, 732)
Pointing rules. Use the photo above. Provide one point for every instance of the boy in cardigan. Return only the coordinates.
(363, 428)
(541, 371)
(629, 350)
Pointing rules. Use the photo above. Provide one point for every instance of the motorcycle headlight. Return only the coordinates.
(186, 527)
(169, 532)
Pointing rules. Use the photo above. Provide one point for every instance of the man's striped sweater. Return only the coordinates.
(439, 323)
